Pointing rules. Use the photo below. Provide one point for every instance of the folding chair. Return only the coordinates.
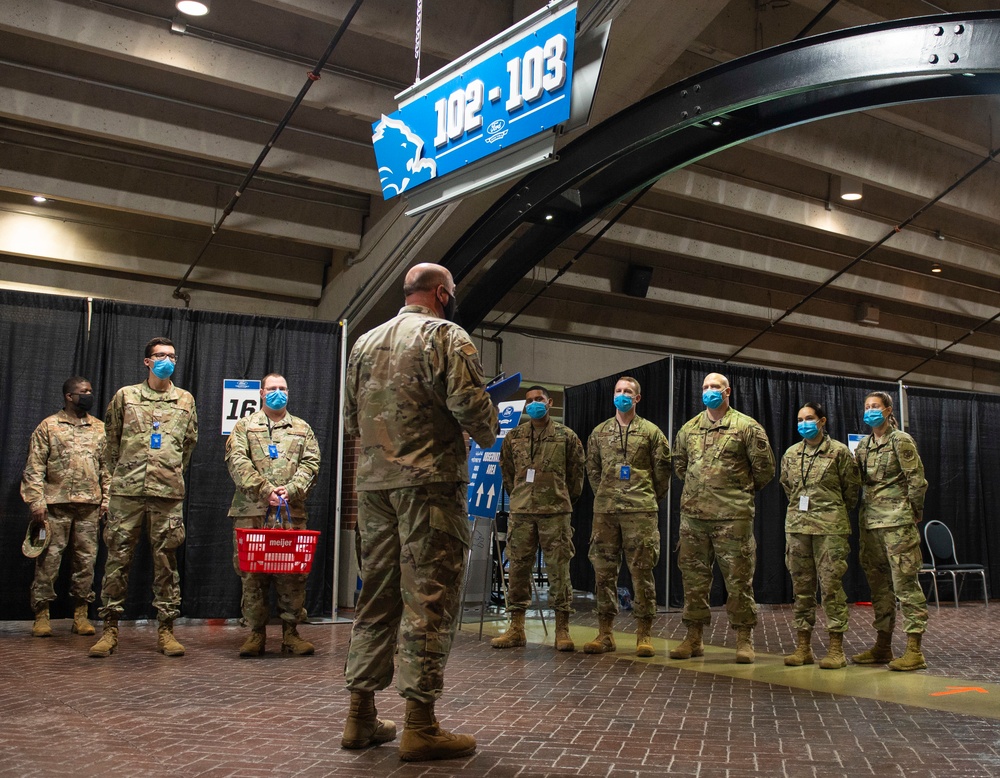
(941, 544)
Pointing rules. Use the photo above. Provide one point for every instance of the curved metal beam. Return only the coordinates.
(929, 58)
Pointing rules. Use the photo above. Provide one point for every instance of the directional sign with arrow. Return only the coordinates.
(485, 483)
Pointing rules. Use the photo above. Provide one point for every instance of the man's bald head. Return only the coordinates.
(715, 381)
(426, 277)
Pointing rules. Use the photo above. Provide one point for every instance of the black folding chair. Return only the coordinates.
(941, 544)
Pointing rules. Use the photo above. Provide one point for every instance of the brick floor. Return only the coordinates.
(534, 712)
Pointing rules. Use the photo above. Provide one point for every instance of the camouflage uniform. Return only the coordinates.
(542, 508)
(413, 384)
(722, 465)
(65, 475)
(816, 539)
(256, 474)
(147, 487)
(891, 505)
(626, 512)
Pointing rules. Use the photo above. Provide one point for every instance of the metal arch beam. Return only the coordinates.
(841, 72)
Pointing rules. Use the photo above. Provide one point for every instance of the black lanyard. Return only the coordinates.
(624, 445)
(531, 448)
(802, 463)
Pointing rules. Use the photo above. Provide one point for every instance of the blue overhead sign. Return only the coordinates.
(506, 91)
(485, 482)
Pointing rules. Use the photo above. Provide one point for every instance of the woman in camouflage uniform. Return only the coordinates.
(821, 481)
(891, 506)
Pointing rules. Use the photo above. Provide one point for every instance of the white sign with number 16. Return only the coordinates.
(240, 397)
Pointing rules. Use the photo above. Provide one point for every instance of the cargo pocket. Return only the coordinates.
(174, 535)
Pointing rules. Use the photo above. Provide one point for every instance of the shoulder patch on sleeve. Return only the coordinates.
(761, 444)
(907, 453)
(468, 349)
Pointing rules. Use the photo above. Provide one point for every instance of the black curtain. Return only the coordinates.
(41, 345)
(587, 406)
(212, 347)
(956, 435)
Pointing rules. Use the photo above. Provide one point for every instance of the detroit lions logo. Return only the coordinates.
(398, 142)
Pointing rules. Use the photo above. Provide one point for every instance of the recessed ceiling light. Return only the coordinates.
(192, 7)
(850, 189)
(40, 199)
(716, 122)
(936, 268)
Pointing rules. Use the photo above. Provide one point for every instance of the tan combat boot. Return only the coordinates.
(834, 658)
(42, 628)
(81, 624)
(254, 644)
(109, 640)
(604, 643)
(643, 642)
(691, 645)
(363, 727)
(878, 654)
(913, 657)
(803, 653)
(423, 739)
(166, 643)
(514, 636)
(744, 646)
(292, 643)
(563, 641)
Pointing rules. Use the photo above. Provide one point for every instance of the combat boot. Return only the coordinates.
(166, 643)
(42, 628)
(913, 658)
(81, 624)
(563, 641)
(691, 645)
(643, 642)
(254, 644)
(604, 643)
(514, 636)
(744, 646)
(423, 739)
(878, 654)
(109, 640)
(803, 653)
(363, 727)
(834, 658)
(292, 643)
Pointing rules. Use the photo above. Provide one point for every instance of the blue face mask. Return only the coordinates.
(624, 402)
(276, 399)
(874, 418)
(712, 398)
(163, 368)
(536, 409)
(808, 429)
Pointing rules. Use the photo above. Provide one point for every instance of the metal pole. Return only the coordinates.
(666, 557)
(904, 407)
(340, 471)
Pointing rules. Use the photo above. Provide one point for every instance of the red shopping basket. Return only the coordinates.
(276, 550)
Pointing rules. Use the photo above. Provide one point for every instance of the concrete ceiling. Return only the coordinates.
(139, 135)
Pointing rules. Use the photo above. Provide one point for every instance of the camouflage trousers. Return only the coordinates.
(891, 559)
(72, 526)
(554, 533)
(164, 521)
(413, 548)
(290, 587)
(732, 545)
(637, 535)
(818, 560)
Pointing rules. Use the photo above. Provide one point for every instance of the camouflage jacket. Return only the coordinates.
(647, 453)
(722, 465)
(66, 462)
(413, 384)
(828, 475)
(256, 473)
(134, 415)
(893, 479)
(554, 454)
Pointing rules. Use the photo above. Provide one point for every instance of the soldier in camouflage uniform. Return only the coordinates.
(821, 480)
(65, 485)
(628, 464)
(892, 504)
(542, 464)
(724, 458)
(413, 385)
(152, 429)
(270, 455)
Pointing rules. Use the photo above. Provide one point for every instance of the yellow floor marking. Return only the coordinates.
(875, 682)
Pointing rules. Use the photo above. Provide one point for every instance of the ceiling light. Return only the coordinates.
(850, 189)
(936, 268)
(939, 235)
(716, 122)
(548, 217)
(193, 7)
(40, 199)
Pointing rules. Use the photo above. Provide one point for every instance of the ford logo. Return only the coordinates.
(496, 126)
